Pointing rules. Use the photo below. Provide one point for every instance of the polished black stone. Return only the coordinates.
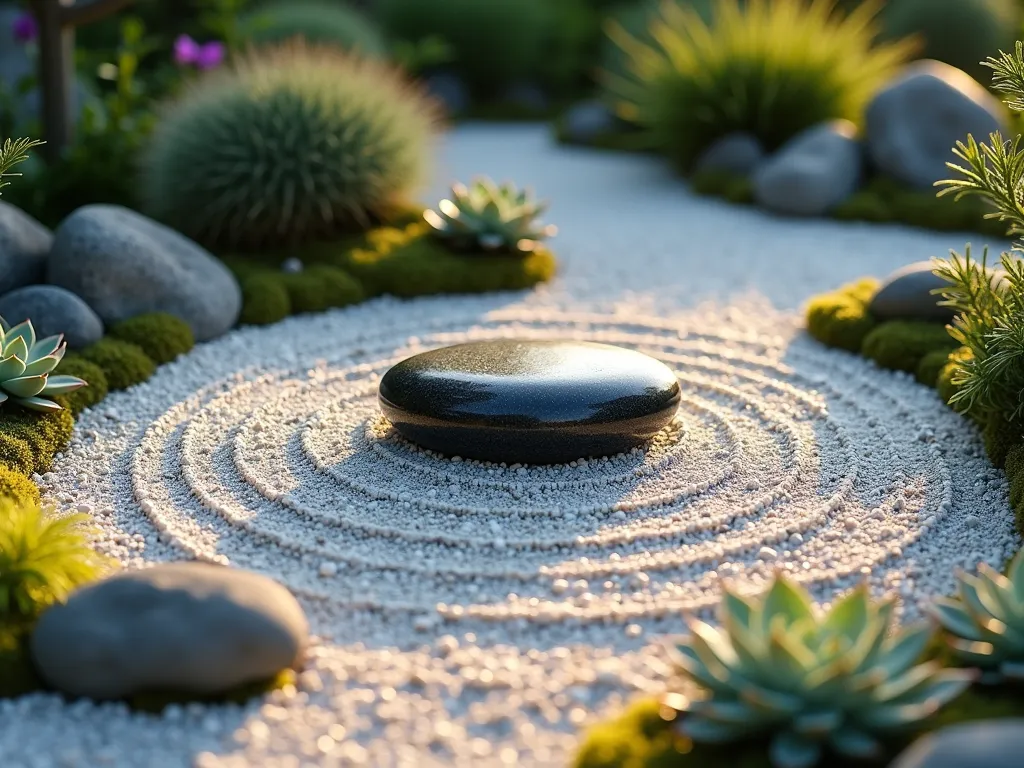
(531, 402)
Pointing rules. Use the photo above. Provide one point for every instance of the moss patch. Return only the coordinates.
(86, 397)
(841, 319)
(728, 186)
(46, 434)
(265, 300)
(930, 366)
(321, 287)
(163, 337)
(900, 345)
(16, 454)
(15, 485)
(123, 363)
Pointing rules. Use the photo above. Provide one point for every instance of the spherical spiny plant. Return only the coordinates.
(781, 670)
(26, 368)
(772, 68)
(490, 218)
(289, 145)
(43, 557)
(315, 21)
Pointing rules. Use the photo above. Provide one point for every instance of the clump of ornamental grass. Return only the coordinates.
(13, 152)
(772, 68)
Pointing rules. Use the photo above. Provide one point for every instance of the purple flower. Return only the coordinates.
(206, 56)
(25, 28)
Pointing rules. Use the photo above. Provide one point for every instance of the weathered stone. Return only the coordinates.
(813, 172)
(53, 310)
(124, 264)
(587, 121)
(735, 153)
(981, 744)
(913, 123)
(183, 627)
(907, 295)
(533, 402)
(24, 246)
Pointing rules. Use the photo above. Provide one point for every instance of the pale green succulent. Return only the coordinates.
(986, 621)
(779, 668)
(488, 217)
(26, 365)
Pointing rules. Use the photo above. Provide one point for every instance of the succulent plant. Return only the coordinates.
(490, 217)
(986, 622)
(26, 364)
(780, 668)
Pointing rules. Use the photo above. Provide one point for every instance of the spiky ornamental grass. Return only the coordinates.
(289, 145)
(780, 669)
(13, 152)
(43, 558)
(768, 67)
(990, 311)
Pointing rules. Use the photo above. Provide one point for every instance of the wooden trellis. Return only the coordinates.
(57, 20)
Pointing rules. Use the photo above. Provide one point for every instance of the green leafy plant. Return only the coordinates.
(43, 557)
(26, 368)
(315, 21)
(770, 68)
(12, 153)
(985, 622)
(809, 681)
(490, 218)
(288, 146)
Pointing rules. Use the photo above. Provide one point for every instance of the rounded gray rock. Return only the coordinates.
(588, 120)
(183, 627)
(981, 744)
(53, 310)
(124, 264)
(736, 153)
(813, 172)
(913, 123)
(24, 246)
(907, 294)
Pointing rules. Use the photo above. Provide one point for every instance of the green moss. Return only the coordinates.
(408, 262)
(123, 363)
(17, 486)
(86, 397)
(930, 366)
(901, 344)
(162, 336)
(321, 287)
(1000, 436)
(865, 205)
(45, 433)
(944, 383)
(265, 299)
(16, 454)
(1014, 467)
(841, 318)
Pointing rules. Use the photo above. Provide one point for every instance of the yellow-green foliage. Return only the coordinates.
(16, 454)
(16, 486)
(264, 299)
(86, 397)
(841, 318)
(408, 262)
(901, 344)
(315, 21)
(124, 364)
(46, 434)
(321, 287)
(770, 68)
(43, 557)
(288, 146)
(930, 366)
(162, 336)
(1000, 436)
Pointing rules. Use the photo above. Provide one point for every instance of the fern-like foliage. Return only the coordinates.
(12, 153)
(43, 557)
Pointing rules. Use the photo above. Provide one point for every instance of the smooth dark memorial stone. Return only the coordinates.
(535, 402)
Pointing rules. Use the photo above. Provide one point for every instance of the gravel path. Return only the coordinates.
(478, 615)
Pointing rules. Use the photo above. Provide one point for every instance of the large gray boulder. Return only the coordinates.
(183, 627)
(53, 310)
(735, 153)
(24, 246)
(981, 744)
(913, 123)
(907, 294)
(124, 264)
(813, 172)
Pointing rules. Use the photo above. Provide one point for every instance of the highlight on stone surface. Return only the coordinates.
(534, 402)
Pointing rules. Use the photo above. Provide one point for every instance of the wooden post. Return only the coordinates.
(57, 20)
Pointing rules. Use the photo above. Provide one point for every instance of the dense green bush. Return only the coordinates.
(265, 299)
(321, 287)
(289, 146)
(124, 364)
(162, 336)
(494, 43)
(320, 22)
(771, 69)
(931, 366)
(16, 454)
(841, 318)
(86, 397)
(959, 32)
(900, 345)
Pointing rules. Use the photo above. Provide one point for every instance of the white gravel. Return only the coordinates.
(481, 615)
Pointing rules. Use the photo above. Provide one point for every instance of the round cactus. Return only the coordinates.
(289, 145)
(315, 21)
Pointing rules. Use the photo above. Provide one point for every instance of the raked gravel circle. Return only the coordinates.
(471, 614)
